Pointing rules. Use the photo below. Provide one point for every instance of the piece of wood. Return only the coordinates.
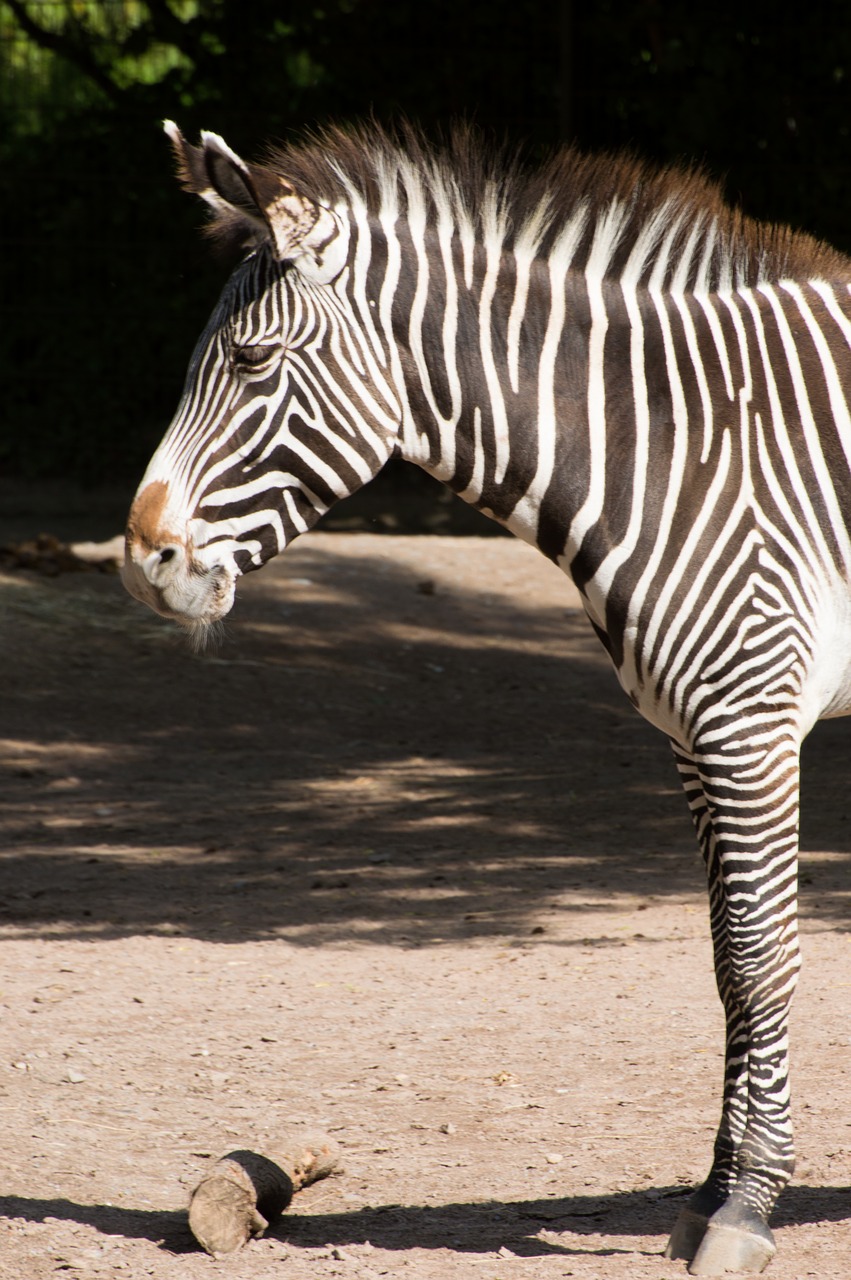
(307, 1159)
(244, 1192)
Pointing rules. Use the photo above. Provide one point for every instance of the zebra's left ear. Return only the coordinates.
(257, 205)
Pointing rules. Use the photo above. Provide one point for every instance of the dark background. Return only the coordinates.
(105, 282)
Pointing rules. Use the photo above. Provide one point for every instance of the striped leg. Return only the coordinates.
(744, 803)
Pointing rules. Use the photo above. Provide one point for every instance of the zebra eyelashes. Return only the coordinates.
(255, 358)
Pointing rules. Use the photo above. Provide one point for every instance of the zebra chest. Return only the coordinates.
(644, 687)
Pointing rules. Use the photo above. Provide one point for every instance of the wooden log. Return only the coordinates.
(244, 1192)
(307, 1159)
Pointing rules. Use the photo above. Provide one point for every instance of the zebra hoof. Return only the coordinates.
(726, 1249)
(689, 1230)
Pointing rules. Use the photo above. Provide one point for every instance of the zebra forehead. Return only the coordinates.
(145, 522)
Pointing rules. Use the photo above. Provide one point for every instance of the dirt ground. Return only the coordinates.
(397, 861)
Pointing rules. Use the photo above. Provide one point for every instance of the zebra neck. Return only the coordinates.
(577, 416)
(495, 392)
(525, 400)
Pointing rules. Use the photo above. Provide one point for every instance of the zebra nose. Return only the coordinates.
(152, 547)
(149, 571)
(162, 563)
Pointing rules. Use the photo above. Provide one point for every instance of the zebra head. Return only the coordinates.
(286, 405)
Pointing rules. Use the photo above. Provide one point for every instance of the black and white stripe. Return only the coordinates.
(630, 376)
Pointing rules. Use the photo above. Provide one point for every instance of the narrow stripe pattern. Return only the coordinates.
(639, 382)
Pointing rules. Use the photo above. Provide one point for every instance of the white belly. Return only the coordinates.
(827, 691)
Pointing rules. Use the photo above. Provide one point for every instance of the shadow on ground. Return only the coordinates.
(394, 744)
(466, 1228)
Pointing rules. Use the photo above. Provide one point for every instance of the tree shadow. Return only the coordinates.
(374, 752)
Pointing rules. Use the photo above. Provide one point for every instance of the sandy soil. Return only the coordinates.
(397, 861)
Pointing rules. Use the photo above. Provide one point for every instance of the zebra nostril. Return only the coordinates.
(166, 555)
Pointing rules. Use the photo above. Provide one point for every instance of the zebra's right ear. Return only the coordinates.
(255, 205)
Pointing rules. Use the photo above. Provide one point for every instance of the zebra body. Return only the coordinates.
(629, 376)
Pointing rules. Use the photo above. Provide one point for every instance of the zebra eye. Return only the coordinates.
(254, 358)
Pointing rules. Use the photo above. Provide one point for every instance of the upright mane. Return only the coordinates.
(650, 213)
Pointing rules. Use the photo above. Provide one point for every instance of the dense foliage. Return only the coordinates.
(104, 283)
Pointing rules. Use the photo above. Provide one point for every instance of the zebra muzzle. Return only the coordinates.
(164, 570)
(170, 581)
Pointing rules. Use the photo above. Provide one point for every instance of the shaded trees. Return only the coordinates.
(103, 284)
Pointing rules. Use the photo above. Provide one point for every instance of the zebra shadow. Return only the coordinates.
(527, 1228)
(531, 1228)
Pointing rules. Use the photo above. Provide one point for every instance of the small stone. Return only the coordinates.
(74, 1077)
(554, 1158)
(449, 1128)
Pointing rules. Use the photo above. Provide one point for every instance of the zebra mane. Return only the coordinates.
(669, 228)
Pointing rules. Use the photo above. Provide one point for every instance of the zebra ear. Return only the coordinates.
(254, 203)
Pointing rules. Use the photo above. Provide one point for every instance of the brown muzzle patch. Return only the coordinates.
(144, 524)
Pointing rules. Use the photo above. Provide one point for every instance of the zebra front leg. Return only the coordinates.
(745, 807)
(693, 1220)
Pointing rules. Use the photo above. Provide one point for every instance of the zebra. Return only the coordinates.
(625, 372)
